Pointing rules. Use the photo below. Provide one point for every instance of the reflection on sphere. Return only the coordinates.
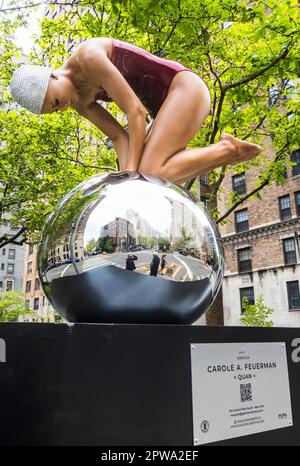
(130, 248)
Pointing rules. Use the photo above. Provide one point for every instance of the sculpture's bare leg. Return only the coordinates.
(180, 117)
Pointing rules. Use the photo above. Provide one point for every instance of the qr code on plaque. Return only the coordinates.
(246, 391)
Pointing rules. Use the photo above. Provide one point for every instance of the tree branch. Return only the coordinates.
(37, 4)
(213, 71)
(259, 188)
(218, 183)
(4, 240)
(170, 33)
(255, 75)
(217, 118)
(97, 16)
(258, 125)
(243, 199)
(96, 167)
(3, 196)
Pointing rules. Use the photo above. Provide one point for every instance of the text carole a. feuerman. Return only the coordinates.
(241, 367)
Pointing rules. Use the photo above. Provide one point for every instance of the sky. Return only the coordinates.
(145, 205)
(24, 38)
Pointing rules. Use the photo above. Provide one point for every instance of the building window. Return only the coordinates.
(204, 179)
(36, 303)
(248, 293)
(43, 300)
(289, 251)
(204, 199)
(37, 284)
(12, 254)
(30, 249)
(29, 267)
(244, 260)
(28, 303)
(241, 220)
(9, 285)
(239, 183)
(28, 286)
(293, 295)
(285, 207)
(297, 202)
(1, 284)
(273, 95)
(280, 91)
(10, 268)
(295, 157)
(2, 266)
(3, 251)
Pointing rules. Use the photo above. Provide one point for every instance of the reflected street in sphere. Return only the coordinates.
(129, 247)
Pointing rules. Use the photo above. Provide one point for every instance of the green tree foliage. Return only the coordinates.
(91, 246)
(105, 244)
(245, 51)
(184, 240)
(256, 315)
(164, 244)
(12, 306)
(149, 242)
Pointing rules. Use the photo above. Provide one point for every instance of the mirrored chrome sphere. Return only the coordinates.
(130, 248)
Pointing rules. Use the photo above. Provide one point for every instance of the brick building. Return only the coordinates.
(34, 294)
(262, 246)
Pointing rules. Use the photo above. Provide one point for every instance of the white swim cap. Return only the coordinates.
(29, 85)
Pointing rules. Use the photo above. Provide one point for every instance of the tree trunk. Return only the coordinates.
(214, 315)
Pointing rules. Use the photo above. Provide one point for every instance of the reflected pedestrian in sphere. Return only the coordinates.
(130, 265)
(154, 264)
(163, 262)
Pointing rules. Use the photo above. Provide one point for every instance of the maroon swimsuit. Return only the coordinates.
(149, 76)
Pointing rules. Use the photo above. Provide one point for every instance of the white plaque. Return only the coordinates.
(239, 389)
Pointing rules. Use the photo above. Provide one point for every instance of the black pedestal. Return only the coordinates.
(95, 384)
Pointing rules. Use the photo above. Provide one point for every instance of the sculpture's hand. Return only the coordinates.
(121, 146)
